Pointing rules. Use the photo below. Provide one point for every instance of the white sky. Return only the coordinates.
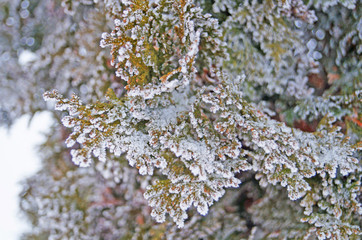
(18, 161)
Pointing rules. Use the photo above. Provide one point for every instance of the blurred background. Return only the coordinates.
(19, 159)
(39, 51)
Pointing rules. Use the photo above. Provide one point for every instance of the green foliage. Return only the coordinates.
(259, 96)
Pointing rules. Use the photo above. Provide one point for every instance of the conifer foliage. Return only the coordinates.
(199, 119)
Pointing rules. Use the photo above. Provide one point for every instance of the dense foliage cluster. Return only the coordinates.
(198, 119)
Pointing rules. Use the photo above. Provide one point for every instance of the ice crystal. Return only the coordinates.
(203, 96)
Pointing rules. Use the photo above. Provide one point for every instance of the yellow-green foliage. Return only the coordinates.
(222, 119)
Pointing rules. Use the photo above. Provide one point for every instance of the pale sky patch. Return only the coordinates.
(18, 160)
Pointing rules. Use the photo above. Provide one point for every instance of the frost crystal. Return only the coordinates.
(203, 96)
